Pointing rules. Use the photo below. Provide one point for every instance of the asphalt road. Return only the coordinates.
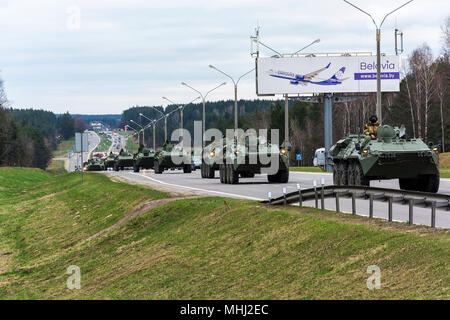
(257, 189)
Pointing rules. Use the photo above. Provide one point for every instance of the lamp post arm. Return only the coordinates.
(223, 74)
(244, 75)
(214, 89)
(394, 11)
(362, 12)
(269, 48)
(185, 84)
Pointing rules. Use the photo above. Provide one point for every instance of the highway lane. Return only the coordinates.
(257, 189)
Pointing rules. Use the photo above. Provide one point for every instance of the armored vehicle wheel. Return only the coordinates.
(210, 172)
(157, 168)
(359, 177)
(351, 174)
(247, 175)
(116, 167)
(336, 179)
(135, 167)
(409, 184)
(222, 173)
(187, 168)
(202, 170)
(282, 176)
(342, 169)
(429, 183)
(233, 174)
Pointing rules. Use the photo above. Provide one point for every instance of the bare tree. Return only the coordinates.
(441, 88)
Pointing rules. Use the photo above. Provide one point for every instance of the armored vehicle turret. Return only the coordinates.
(143, 159)
(390, 156)
(123, 160)
(172, 156)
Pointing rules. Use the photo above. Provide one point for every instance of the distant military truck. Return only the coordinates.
(144, 159)
(391, 155)
(165, 158)
(123, 160)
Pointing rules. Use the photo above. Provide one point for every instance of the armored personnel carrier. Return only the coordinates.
(108, 162)
(165, 158)
(123, 160)
(243, 159)
(94, 164)
(211, 153)
(143, 159)
(390, 156)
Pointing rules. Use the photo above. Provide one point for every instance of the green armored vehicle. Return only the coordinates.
(245, 158)
(165, 158)
(143, 159)
(94, 164)
(123, 160)
(390, 156)
(211, 153)
(109, 161)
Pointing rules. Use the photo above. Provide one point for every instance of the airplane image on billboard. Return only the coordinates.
(297, 79)
(325, 74)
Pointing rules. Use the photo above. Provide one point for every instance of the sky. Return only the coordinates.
(104, 56)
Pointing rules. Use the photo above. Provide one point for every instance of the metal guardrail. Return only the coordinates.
(411, 198)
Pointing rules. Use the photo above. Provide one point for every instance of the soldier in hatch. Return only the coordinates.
(370, 129)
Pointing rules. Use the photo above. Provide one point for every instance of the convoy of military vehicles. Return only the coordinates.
(388, 155)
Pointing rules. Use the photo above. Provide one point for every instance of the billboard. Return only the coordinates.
(81, 142)
(298, 75)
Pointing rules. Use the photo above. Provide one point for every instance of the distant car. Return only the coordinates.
(196, 162)
(319, 158)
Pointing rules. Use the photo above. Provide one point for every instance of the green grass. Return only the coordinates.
(445, 172)
(205, 248)
(105, 143)
(56, 167)
(63, 148)
(306, 169)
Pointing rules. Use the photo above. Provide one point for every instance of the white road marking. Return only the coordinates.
(199, 189)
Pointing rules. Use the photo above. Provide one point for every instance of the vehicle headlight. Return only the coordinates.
(436, 150)
(365, 153)
(283, 151)
(212, 154)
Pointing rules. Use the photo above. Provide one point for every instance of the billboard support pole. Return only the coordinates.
(328, 128)
(286, 124)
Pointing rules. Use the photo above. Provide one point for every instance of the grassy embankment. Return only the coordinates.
(56, 167)
(444, 162)
(200, 248)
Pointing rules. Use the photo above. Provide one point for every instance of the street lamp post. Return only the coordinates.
(204, 104)
(378, 36)
(150, 123)
(315, 41)
(181, 108)
(142, 129)
(235, 92)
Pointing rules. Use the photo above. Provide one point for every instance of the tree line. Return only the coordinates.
(29, 136)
